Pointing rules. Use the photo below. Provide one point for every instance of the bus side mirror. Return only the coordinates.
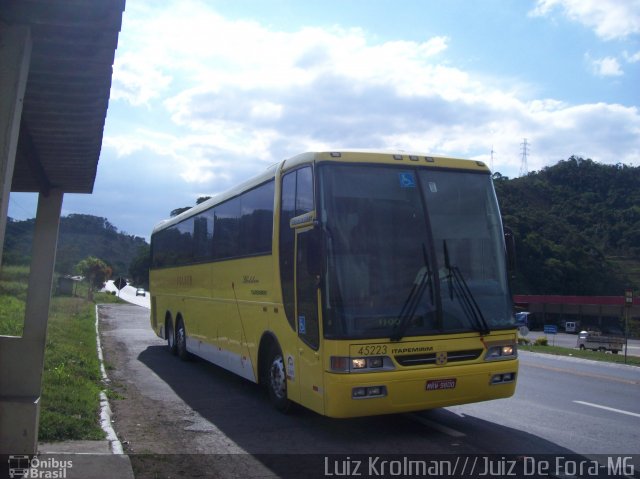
(510, 244)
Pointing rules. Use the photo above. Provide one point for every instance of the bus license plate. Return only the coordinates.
(437, 384)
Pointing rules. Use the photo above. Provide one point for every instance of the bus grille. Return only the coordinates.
(431, 358)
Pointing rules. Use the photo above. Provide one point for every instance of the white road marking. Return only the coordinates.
(606, 408)
(435, 425)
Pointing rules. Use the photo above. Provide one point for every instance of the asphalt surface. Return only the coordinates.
(562, 406)
(128, 294)
(587, 407)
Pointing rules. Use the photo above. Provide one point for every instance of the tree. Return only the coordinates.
(95, 272)
(177, 211)
(576, 226)
(139, 267)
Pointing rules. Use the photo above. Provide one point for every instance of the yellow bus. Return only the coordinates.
(353, 283)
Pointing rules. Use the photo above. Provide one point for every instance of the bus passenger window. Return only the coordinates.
(296, 199)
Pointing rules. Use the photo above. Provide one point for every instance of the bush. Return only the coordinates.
(523, 341)
(542, 341)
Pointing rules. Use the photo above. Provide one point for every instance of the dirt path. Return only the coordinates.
(163, 435)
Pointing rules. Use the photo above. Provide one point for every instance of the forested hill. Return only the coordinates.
(577, 227)
(80, 236)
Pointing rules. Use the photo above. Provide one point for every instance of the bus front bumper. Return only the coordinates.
(367, 394)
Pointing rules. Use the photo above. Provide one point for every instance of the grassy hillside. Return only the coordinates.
(577, 227)
(80, 236)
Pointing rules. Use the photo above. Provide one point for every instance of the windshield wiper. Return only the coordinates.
(423, 279)
(459, 286)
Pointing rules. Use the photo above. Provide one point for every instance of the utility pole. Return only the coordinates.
(524, 169)
(628, 302)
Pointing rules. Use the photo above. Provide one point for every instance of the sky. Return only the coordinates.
(206, 94)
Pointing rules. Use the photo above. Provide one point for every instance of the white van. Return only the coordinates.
(570, 327)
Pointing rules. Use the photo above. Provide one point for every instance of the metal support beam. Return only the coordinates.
(15, 56)
(22, 359)
(27, 149)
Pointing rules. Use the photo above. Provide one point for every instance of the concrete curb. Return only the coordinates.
(105, 409)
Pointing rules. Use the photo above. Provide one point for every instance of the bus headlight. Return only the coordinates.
(501, 351)
(344, 364)
(359, 363)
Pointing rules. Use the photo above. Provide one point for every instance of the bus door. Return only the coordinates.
(307, 280)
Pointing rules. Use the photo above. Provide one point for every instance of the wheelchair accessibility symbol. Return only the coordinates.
(407, 180)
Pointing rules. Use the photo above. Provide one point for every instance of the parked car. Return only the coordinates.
(140, 292)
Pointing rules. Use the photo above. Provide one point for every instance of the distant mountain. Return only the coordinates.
(577, 227)
(576, 224)
(79, 236)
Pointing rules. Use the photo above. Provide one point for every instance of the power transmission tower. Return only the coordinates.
(524, 169)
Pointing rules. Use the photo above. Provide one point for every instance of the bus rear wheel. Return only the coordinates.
(277, 380)
(181, 341)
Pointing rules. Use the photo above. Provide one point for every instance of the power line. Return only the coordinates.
(14, 204)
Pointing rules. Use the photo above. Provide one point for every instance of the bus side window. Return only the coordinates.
(304, 191)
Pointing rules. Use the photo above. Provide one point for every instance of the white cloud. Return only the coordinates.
(610, 19)
(238, 96)
(605, 67)
(137, 80)
(632, 57)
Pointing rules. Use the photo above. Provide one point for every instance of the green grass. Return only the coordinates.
(11, 315)
(576, 353)
(71, 383)
(102, 298)
(13, 293)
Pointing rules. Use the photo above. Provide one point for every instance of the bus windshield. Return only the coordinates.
(411, 249)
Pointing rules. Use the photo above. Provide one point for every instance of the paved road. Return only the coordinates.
(562, 406)
(584, 406)
(128, 294)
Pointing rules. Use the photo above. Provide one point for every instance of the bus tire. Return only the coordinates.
(277, 380)
(181, 341)
(170, 335)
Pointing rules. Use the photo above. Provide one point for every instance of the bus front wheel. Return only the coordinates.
(171, 338)
(277, 380)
